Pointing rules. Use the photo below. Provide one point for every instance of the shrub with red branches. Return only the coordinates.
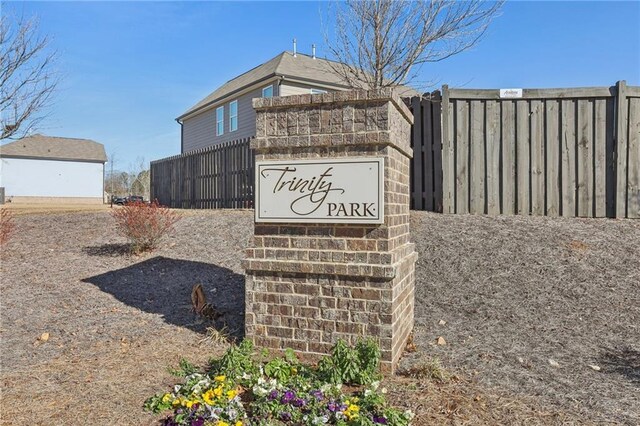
(144, 224)
(6, 225)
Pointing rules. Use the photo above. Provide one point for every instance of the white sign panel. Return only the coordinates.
(347, 190)
(510, 93)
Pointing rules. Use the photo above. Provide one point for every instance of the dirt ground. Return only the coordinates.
(528, 308)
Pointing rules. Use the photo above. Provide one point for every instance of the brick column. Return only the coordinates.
(310, 284)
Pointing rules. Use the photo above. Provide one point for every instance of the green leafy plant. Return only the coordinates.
(237, 362)
(185, 368)
(359, 365)
(245, 388)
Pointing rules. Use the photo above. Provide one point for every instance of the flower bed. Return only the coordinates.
(244, 388)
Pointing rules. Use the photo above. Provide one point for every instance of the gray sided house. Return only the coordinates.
(227, 113)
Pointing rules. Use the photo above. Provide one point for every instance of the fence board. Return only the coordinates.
(448, 154)
(537, 158)
(426, 155)
(462, 156)
(621, 149)
(633, 186)
(508, 158)
(568, 170)
(417, 161)
(437, 152)
(585, 158)
(552, 150)
(477, 159)
(600, 158)
(493, 157)
(523, 153)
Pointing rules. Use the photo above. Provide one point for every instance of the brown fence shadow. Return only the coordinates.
(163, 286)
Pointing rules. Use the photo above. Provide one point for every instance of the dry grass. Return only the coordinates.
(514, 292)
(20, 209)
(530, 304)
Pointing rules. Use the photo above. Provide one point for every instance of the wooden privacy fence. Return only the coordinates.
(220, 176)
(556, 152)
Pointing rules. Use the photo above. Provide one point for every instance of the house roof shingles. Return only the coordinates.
(55, 148)
(301, 66)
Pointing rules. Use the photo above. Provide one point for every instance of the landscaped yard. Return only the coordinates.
(540, 317)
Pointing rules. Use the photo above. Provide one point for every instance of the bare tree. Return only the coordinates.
(27, 78)
(140, 178)
(380, 43)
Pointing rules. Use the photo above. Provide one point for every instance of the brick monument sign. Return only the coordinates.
(331, 256)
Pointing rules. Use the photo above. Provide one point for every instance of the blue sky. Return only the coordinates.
(130, 68)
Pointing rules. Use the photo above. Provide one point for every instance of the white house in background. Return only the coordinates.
(42, 168)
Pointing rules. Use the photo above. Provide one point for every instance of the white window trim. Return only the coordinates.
(318, 91)
(218, 121)
(266, 87)
(231, 129)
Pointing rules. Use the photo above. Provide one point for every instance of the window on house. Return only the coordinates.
(317, 91)
(220, 120)
(233, 116)
(267, 92)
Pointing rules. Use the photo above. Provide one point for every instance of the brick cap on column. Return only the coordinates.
(385, 272)
(384, 94)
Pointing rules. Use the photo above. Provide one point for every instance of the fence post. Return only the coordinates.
(448, 168)
(436, 106)
(416, 161)
(621, 148)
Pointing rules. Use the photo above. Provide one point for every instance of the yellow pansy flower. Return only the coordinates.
(220, 378)
(238, 423)
(218, 391)
(208, 397)
(166, 398)
(222, 423)
(189, 404)
(176, 402)
(232, 394)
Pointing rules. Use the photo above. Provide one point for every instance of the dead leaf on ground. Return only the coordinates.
(578, 245)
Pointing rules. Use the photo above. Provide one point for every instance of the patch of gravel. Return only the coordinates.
(538, 306)
(515, 292)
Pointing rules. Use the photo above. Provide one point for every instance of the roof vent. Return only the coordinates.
(313, 51)
(295, 48)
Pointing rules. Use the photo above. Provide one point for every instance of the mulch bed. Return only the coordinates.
(515, 293)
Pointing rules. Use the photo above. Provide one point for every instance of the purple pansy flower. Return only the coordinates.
(273, 395)
(288, 397)
(317, 394)
(197, 422)
(381, 420)
(285, 416)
